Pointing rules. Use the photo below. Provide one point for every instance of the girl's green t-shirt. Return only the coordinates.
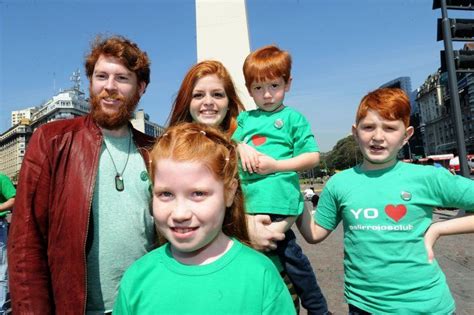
(242, 281)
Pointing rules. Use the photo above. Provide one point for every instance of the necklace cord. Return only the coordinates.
(128, 156)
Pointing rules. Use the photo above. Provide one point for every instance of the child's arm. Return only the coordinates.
(248, 157)
(449, 227)
(262, 238)
(283, 225)
(311, 232)
(304, 161)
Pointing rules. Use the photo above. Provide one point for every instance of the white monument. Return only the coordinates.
(222, 34)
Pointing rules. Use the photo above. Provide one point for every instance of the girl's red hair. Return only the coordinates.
(180, 111)
(193, 142)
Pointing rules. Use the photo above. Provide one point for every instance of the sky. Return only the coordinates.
(341, 49)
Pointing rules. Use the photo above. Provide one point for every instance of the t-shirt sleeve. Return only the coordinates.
(303, 138)
(121, 305)
(328, 214)
(8, 190)
(277, 297)
(238, 133)
(453, 190)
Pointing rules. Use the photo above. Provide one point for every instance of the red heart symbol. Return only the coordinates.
(396, 212)
(258, 140)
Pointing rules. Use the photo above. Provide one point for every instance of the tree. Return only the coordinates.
(345, 154)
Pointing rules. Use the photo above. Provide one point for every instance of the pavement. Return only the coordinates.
(455, 254)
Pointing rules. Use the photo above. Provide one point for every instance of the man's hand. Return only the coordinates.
(261, 237)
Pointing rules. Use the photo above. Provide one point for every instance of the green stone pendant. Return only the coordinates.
(119, 183)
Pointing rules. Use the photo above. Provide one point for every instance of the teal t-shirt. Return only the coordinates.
(121, 223)
(242, 281)
(385, 214)
(282, 135)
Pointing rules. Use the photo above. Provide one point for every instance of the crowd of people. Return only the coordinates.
(198, 221)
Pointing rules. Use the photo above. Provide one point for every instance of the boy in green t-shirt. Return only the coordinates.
(275, 142)
(386, 208)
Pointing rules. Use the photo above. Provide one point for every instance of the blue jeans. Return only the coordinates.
(353, 310)
(302, 276)
(3, 264)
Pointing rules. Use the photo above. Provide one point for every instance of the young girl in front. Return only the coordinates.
(206, 266)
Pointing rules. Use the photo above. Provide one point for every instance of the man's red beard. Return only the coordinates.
(115, 120)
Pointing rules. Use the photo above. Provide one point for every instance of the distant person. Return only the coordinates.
(386, 209)
(82, 212)
(275, 142)
(206, 266)
(207, 95)
(431, 162)
(314, 200)
(308, 193)
(7, 201)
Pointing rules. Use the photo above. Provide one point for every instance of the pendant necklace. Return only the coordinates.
(119, 185)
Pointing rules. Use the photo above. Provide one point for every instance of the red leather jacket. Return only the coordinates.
(48, 236)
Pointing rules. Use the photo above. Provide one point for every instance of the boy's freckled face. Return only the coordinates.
(380, 140)
(269, 95)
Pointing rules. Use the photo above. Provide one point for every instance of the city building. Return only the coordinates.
(141, 121)
(466, 102)
(12, 148)
(403, 83)
(66, 104)
(430, 101)
(18, 115)
(436, 113)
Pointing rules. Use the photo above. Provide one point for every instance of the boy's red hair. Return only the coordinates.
(390, 103)
(267, 63)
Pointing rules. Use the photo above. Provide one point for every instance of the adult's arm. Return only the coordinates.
(29, 275)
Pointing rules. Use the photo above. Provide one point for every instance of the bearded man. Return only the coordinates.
(82, 206)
